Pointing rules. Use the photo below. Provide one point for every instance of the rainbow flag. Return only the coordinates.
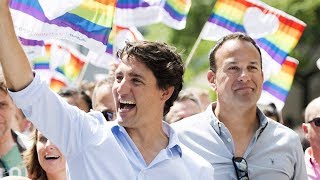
(118, 36)
(88, 24)
(276, 89)
(72, 69)
(57, 82)
(276, 32)
(173, 13)
(32, 48)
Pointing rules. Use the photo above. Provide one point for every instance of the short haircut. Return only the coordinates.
(233, 36)
(164, 62)
(76, 93)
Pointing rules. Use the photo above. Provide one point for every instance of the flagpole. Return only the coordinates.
(194, 48)
(82, 73)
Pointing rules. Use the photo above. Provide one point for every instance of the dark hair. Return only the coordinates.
(31, 160)
(73, 92)
(271, 111)
(163, 60)
(238, 36)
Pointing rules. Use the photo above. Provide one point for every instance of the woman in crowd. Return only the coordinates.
(44, 160)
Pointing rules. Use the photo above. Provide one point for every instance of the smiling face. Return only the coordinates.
(139, 101)
(49, 156)
(238, 78)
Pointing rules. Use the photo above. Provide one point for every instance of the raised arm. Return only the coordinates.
(15, 65)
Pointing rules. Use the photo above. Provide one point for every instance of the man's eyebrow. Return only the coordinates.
(132, 74)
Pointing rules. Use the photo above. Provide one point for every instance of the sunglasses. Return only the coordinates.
(316, 121)
(108, 115)
(241, 167)
(6, 168)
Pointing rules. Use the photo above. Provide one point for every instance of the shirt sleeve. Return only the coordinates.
(68, 127)
(300, 171)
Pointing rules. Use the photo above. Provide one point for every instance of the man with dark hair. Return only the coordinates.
(76, 97)
(12, 143)
(138, 145)
(237, 139)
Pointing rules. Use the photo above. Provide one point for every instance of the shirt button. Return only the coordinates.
(219, 125)
(229, 139)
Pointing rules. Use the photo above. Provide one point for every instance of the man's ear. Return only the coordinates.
(211, 76)
(305, 129)
(166, 94)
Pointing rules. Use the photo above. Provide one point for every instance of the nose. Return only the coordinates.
(244, 76)
(122, 87)
(49, 145)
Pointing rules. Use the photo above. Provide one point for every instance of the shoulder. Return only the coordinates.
(282, 134)
(195, 121)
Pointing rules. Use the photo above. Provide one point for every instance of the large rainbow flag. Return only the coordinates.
(173, 13)
(276, 32)
(88, 24)
(276, 89)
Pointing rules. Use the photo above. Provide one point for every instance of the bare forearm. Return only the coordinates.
(15, 65)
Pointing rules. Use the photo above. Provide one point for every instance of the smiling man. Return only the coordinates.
(237, 139)
(311, 129)
(138, 145)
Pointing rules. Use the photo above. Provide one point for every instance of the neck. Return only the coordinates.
(315, 153)
(6, 143)
(61, 175)
(149, 140)
(242, 123)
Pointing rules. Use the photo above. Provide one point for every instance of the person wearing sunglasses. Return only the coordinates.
(311, 129)
(233, 134)
(138, 144)
(102, 98)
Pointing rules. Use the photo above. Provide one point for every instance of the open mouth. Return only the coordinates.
(51, 157)
(127, 105)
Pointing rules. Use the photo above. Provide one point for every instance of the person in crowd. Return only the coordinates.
(22, 124)
(232, 134)
(12, 143)
(203, 95)
(311, 129)
(77, 98)
(270, 110)
(44, 160)
(138, 144)
(87, 87)
(102, 98)
(187, 104)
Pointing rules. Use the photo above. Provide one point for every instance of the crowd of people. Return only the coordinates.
(138, 123)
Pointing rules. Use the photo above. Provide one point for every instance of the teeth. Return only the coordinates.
(127, 102)
(52, 156)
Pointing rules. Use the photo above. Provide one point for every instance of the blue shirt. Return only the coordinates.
(275, 151)
(97, 149)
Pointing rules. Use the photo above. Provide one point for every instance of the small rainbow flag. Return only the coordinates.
(89, 24)
(276, 32)
(173, 13)
(57, 82)
(71, 69)
(276, 89)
